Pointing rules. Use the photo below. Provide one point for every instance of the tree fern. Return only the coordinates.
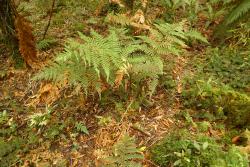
(240, 10)
(124, 154)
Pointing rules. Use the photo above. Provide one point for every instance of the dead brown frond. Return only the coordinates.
(26, 40)
(47, 94)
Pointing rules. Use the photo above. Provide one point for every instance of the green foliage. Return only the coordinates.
(54, 130)
(40, 119)
(103, 121)
(181, 148)
(230, 66)
(119, 19)
(240, 36)
(8, 148)
(97, 60)
(241, 9)
(80, 127)
(170, 38)
(181, 8)
(9, 151)
(219, 88)
(220, 100)
(124, 153)
(46, 44)
(213, 13)
(7, 125)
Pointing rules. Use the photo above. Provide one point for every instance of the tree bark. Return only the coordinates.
(7, 21)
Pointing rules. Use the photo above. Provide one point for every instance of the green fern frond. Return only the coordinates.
(240, 10)
(45, 44)
(97, 58)
(124, 153)
(193, 34)
(80, 127)
(120, 19)
(53, 73)
(170, 38)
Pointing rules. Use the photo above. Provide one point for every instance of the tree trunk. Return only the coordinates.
(7, 19)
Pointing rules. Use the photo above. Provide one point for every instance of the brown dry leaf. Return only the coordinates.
(41, 157)
(144, 3)
(245, 150)
(179, 88)
(47, 94)
(118, 2)
(235, 139)
(107, 136)
(4, 93)
(19, 94)
(100, 7)
(119, 78)
(100, 155)
(138, 17)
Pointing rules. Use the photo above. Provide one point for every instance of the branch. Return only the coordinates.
(50, 16)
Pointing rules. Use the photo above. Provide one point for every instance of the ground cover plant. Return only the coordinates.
(124, 83)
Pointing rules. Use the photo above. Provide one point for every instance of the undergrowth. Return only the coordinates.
(137, 67)
(182, 148)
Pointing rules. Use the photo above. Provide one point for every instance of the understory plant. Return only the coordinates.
(117, 61)
(99, 62)
(181, 148)
(220, 86)
(124, 153)
(219, 100)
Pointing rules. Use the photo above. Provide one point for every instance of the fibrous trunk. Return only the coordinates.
(7, 15)
(18, 33)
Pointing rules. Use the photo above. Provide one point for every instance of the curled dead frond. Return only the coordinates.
(26, 40)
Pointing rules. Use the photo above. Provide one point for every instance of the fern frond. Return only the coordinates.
(193, 34)
(120, 19)
(170, 38)
(97, 59)
(124, 153)
(45, 44)
(53, 73)
(242, 9)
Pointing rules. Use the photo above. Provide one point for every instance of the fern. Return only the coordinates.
(196, 35)
(124, 153)
(240, 10)
(96, 59)
(170, 38)
(120, 19)
(146, 67)
(80, 127)
(45, 44)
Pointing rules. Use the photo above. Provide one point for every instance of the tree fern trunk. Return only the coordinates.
(7, 16)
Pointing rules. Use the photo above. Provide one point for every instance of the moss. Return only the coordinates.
(222, 101)
(184, 149)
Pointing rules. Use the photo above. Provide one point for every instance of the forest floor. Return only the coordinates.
(56, 139)
(22, 97)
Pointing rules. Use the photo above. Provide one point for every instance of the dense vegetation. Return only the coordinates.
(125, 83)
